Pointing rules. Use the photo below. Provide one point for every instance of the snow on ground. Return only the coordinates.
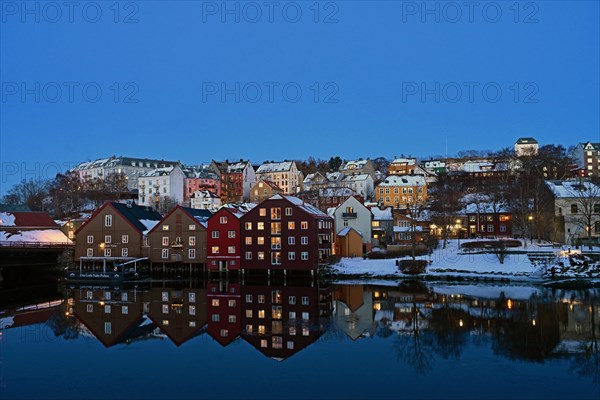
(450, 262)
(36, 235)
(6, 322)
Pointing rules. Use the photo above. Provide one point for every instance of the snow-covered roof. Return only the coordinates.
(416, 228)
(201, 194)
(382, 215)
(158, 172)
(359, 177)
(403, 180)
(275, 167)
(314, 176)
(7, 219)
(149, 224)
(347, 230)
(334, 176)
(526, 140)
(485, 208)
(483, 166)
(572, 189)
(336, 192)
(331, 211)
(309, 208)
(36, 235)
(354, 164)
(407, 161)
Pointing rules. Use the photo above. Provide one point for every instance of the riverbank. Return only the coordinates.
(534, 263)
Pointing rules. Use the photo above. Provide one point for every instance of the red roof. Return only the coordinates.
(33, 219)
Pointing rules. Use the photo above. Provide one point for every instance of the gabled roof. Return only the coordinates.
(200, 216)
(281, 166)
(141, 218)
(358, 177)
(347, 230)
(271, 184)
(572, 189)
(27, 219)
(205, 193)
(309, 208)
(336, 192)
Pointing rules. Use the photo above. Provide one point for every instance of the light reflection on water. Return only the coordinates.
(224, 339)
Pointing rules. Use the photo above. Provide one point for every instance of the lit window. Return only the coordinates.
(231, 303)
(165, 253)
(192, 240)
(260, 255)
(165, 240)
(165, 227)
(231, 249)
(90, 239)
(248, 226)
(260, 226)
(90, 308)
(214, 249)
(215, 302)
(291, 225)
(261, 313)
(90, 252)
(260, 240)
(248, 313)
(304, 225)
(262, 212)
(223, 220)
(276, 213)
(165, 308)
(261, 298)
(249, 240)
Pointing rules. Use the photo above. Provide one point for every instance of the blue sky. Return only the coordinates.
(194, 80)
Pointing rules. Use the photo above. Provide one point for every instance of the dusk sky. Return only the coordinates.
(193, 81)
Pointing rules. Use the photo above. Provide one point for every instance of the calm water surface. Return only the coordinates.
(219, 339)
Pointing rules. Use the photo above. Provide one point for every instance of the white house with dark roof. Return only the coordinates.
(159, 184)
(355, 167)
(526, 146)
(362, 184)
(205, 200)
(284, 174)
(587, 157)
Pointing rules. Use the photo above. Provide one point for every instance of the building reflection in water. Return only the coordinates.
(422, 322)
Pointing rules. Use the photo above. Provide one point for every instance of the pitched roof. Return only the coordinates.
(347, 230)
(27, 219)
(309, 208)
(572, 189)
(271, 184)
(141, 218)
(281, 166)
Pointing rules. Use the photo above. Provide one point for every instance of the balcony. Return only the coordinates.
(348, 215)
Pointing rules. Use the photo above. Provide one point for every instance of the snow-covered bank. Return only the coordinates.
(532, 264)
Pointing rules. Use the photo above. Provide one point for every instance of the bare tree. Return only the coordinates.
(586, 197)
(31, 192)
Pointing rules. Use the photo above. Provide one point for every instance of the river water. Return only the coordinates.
(225, 339)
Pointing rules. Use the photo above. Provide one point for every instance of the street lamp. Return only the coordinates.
(458, 226)
(529, 219)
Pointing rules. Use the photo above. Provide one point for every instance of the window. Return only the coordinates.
(146, 241)
(502, 228)
(490, 228)
(260, 226)
(248, 298)
(90, 252)
(291, 240)
(215, 302)
(165, 253)
(304, 225)
(124, 252)
(231, 249)
(292, 315)
(215, 318)
(108, 239)
(248, 313)
(191, 227)
(223, 220)
(276, 243)
(107, 252)
(248, 255)
(288, 211)
(192, 240)
(90, 239)
(248, 240)
(108, 220)
(276, 228)
(224, 333)
(165, 308)
(165, 296)
(276, 213)
(305, 331)
(305, 316)
(231, 303)
(124, 310)
(248, 226)
(291, 225)
(260, 240)
(292, 329)
(124, 239)
(231, 319)
(260, 255)
(277, 342)
(90, 308)
(573, 208)
(107, 309)
(107, 328)
(248, 328)
(192, 297)
(292, 300)
(276, 258)
(290, 345)
(165, 240)
(304, 300)
(261, 298)
(304, 255)
(263, 343)
(304, 240)
(262, 212)
(597, 208)
(192, 253)
(231, 234)
(215, 234)
(261, 313)
(165, 227)
(291, 255)
(214, 249)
